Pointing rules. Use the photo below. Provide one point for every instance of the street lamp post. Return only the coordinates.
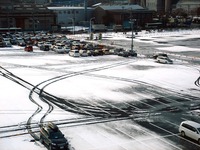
(132, 22)
(91, 24)
(73, 24)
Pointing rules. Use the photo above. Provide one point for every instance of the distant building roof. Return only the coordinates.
(67, 8)
(121, 7)
(187, 2)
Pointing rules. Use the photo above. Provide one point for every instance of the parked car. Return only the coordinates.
(45, 47)
(67, 49)
(98, 52)
(74, 53)
(124, 53)
(105, 51)
(7, 44)
(159, 54)
(132, 53)
(28, 48)
(53, 137)
(59, 48)
(164, 60)
(190, 129)
(115, 51)
(127, 53)
(90, 52)
(83, 53)
(20, 42)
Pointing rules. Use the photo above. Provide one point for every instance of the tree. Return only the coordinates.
(179, 12)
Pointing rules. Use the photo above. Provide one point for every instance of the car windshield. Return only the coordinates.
(164, 55)
(198, 129)
(56, 135)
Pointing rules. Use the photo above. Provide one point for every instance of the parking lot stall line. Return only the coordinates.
(158, 137)
(177, 135)
(118, 131)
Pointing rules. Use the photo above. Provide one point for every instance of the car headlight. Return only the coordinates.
(54, 144)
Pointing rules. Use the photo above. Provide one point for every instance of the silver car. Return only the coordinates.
(164, 60)
(74, 53)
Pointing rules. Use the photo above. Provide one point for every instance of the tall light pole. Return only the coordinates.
(85, 5)
(91, 24)
(73, 24)
(132, 22)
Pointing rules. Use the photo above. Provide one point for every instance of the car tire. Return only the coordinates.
(41, 140)
(50, 147)
(182, 133)
(199, 141)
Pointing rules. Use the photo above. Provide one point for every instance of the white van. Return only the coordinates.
(190, 129)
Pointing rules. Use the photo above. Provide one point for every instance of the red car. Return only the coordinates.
(28, 48)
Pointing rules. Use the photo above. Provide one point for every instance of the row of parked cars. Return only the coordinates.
(60, 44)
(77, 48)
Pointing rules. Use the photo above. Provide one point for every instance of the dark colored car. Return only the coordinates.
(132, 53)
(97, 52)
(51, 136)
(45, 47)
(127, 53)
(28, 48)
(20, 42)
(124, 54)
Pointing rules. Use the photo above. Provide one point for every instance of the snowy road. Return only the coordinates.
(105, 102)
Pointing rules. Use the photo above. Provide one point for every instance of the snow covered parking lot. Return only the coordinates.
(105, 102)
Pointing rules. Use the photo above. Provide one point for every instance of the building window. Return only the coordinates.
(77, 12)
(68, 12)
(60, 12)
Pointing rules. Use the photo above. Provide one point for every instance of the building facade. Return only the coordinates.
(190, 6)
(122, 14)
(27, 17)
(160, 6)
(68, 16)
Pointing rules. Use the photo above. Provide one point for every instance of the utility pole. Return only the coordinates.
(85, 5)
(132, 23)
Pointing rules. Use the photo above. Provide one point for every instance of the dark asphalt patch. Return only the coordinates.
(140, 67)
(140, 105)
(162, 100)
(171, 109)
(180, 99)
(151, 102)
(151, 127)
